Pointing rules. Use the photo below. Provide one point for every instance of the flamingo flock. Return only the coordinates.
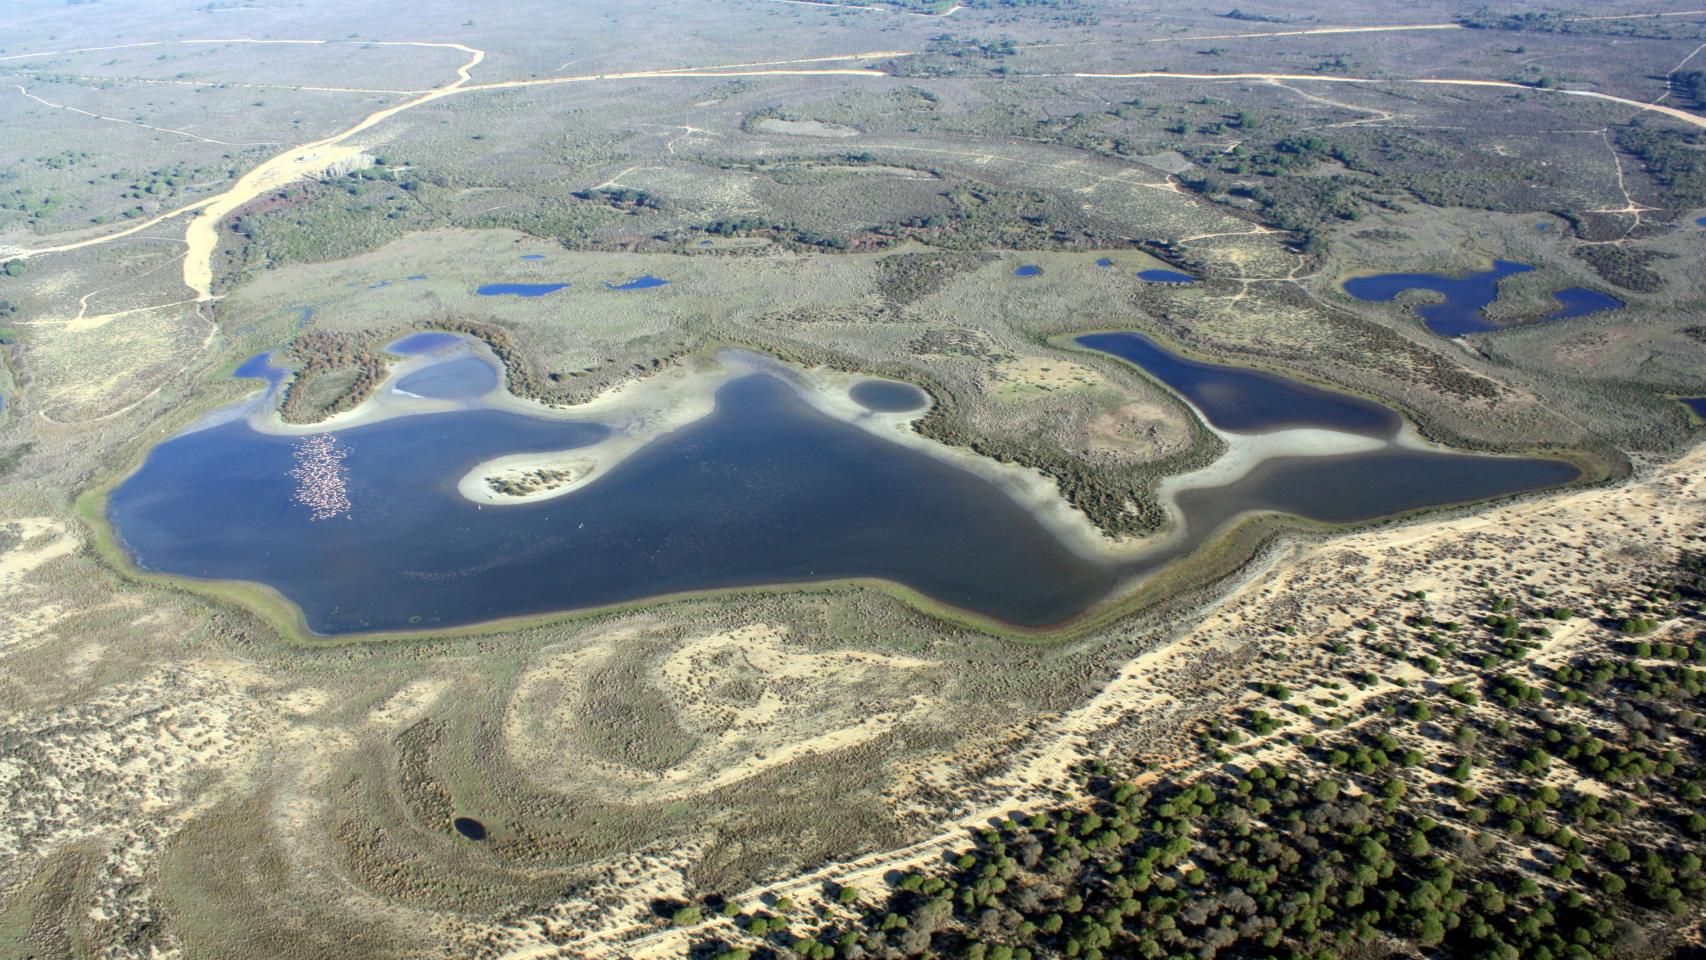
(321, 483)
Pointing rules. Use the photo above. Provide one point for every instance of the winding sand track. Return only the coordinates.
(311, 159)
(1683, 115)
(314, 158)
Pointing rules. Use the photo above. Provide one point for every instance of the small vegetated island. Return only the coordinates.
(996, 480)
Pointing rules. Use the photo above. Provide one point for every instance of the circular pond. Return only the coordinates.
(887, 396)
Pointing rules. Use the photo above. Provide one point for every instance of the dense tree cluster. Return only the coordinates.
(1522, 810)
(1674, 158)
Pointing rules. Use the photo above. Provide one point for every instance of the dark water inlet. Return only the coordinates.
(1244, 400)
(1348, 488)
(1581, 301)
(260, 367)
(1356, 488)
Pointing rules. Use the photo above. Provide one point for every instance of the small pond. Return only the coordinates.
(1581, 301)
(1028, 270)
(645, 282)
(518, 289)
(887, 396)
(1165, 276)
(1466, 296)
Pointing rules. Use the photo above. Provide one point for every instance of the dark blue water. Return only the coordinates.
(765, 490)
(421, 344)
(470, 828)
(1165, 276)
(1247, 401)
(1356, 488)
(1028, 270)
(1696, 404)
(533, 256)
(1104, 262)
(639, 283)
(518, 289)
(1701, 221)
(415, 276)
(1465, 297)
(1352, 488)
(887, 396)
(1580, 301)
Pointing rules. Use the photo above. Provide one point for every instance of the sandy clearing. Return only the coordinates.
(787, 702)
(805, 128)
(30, 554)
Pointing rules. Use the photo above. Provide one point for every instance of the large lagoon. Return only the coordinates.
(364, 527)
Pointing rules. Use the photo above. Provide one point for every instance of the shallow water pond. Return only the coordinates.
(645, 282)
(1466, 296)
(518, 289)
(1580, 301)
(887, 396)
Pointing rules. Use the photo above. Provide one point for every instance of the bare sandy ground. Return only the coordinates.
(791, 703)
